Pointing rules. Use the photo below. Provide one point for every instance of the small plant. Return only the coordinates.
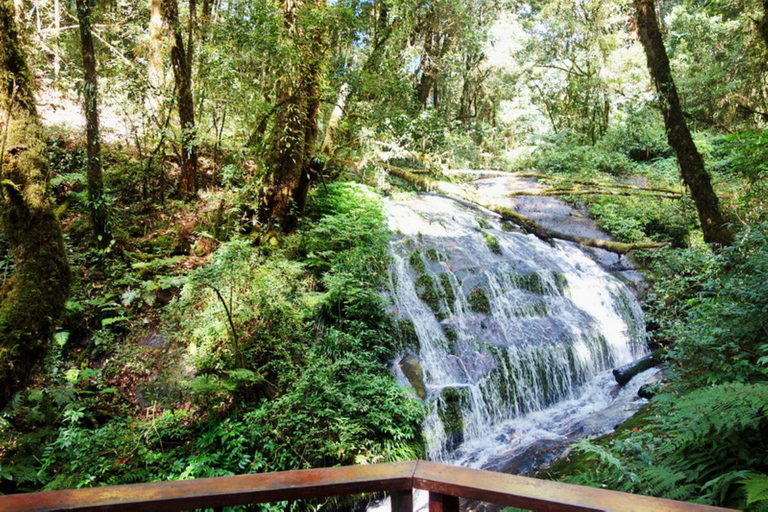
(492, 242)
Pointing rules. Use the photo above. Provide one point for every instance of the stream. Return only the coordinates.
(509, 341)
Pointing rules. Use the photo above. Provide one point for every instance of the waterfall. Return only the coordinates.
(498, 324)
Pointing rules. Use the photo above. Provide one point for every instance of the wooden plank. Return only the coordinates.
(222, 491)
(402, 501)
(443, 502)
(534, 494)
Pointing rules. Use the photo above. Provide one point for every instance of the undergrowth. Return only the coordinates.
(269, 358)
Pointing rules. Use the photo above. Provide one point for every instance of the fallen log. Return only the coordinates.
(624, 374)
(524, 223)
(593, 192)
(595, 183)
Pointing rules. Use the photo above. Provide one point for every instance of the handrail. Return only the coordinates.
(444, 483)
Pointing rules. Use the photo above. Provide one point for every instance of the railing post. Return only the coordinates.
(402, 501)
(443, 502)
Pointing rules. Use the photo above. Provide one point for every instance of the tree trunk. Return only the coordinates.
(337, 113)
(57, 39)
(33, 298)
(762, 24)
(292, 141)
(182, 74)
(90, 94)
(155, 72)
(691, 163)
(428, 70)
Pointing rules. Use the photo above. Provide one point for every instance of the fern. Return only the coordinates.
(756, 487)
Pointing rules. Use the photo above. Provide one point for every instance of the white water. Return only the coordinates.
(536, 363)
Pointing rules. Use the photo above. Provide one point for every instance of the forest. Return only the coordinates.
(195, 240)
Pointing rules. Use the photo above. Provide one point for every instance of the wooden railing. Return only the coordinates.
(446, 484)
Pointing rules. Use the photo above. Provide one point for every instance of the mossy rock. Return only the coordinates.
(413, 371)
(478, 301)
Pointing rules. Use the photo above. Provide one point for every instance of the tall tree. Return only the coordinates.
(90, 94)
(293, 137)
(762, 24)
(155, 60)
(34, 297)
(181, 62)
(679, 137)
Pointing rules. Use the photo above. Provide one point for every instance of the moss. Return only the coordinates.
(492, 242)
(426, 291)
(451, 346)
(417, 263)
(405, 333)
(435, 256)
(31, 306)
(561, 282)
(449, 412)
(538, 308)
(451, 334)
(483, 223)
(478, 301)
(530, 282)
(445, 283)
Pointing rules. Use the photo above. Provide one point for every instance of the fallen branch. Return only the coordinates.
(526, 224)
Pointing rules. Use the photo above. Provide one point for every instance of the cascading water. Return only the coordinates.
(501, 325)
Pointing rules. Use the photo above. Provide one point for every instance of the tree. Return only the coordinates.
(90, 94)
(762, 24)
(293, 137)
(34, 297)
(679, 137)
(181, 62)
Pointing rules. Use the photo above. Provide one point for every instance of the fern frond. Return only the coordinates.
(756, 487)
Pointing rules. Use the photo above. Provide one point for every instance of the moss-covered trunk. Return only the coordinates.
(293, 137)
(34, 296)
(97, 204)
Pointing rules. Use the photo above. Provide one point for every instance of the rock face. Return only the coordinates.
(553, 213)
(411, 368)
(502, 328)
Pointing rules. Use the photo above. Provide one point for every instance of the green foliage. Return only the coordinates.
(704, 438)
(698, 448)
(281, 365)
(564, 154)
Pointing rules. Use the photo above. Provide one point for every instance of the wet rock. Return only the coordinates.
(411, 368)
